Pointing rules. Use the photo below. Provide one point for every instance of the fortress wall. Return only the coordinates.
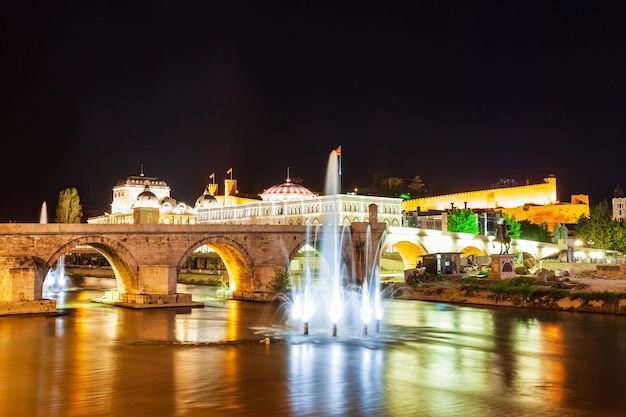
(508, 197)
(551, 214)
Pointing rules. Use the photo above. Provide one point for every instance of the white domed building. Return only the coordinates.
(290, 203)
(145, 200)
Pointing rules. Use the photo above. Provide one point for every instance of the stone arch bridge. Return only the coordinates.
(147, 259)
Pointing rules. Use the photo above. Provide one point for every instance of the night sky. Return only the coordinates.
(460, 93)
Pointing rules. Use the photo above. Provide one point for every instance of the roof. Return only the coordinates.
(287, 191)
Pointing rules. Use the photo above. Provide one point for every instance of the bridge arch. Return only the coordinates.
(348, 242)
(470, 250)
(119, 257)
(238, 262)
(410, 250)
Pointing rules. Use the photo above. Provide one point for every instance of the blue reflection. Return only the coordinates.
(336, 379)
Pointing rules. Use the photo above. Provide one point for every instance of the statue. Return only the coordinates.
(560, 233)
(502, 236)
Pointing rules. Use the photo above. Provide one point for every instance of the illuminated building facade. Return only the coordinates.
(290, 203)
(143, 200)
(536, 203)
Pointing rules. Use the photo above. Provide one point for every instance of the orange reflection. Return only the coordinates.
(232, 324)
(555, 372)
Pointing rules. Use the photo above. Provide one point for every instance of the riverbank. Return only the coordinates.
(593, 295)
(78, 274)
(584, 294)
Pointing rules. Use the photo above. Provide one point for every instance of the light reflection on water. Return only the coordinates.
(428, 359)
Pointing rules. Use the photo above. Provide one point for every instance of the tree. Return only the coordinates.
(68, 208)
(462, 220)
(383, 184)
(595, 230)
(535, 232)
(600, 231)
(394, 186)
(377, 181)
(190, 263)
(618, 236)
(514, 226)
(416, 186)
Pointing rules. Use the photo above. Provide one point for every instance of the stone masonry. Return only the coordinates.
(147, 259)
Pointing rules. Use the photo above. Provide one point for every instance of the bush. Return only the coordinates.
(519, 286)
(193, 280)
(281, 281)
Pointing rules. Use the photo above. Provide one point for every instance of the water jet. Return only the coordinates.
(339, 280)
(43, 215)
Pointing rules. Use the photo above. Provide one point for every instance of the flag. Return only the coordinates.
(338, 152)
(212, 176)
(230, 170)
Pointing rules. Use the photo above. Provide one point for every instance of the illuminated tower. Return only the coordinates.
(619, 204)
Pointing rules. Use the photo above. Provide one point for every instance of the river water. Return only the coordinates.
(426, 359)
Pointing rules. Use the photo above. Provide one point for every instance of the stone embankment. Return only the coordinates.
(84, 271)
(80, 273)
(583, 295)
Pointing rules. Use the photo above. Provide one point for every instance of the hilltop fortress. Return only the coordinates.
(536, 203)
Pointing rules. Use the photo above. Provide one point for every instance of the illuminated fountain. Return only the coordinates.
(328, 291)
(43, 215)
(57, 279)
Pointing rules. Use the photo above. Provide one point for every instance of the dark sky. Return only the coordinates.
(461, 93)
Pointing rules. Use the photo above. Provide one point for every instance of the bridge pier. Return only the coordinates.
(155, 287)
(21, 286)
(155, 279)
(365, 244)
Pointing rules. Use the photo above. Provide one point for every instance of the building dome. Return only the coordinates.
(147, 199)
(168, 202)
(287, 191)
(206, 200)
(618, 192)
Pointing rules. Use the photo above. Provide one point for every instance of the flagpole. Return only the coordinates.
(340, 153)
